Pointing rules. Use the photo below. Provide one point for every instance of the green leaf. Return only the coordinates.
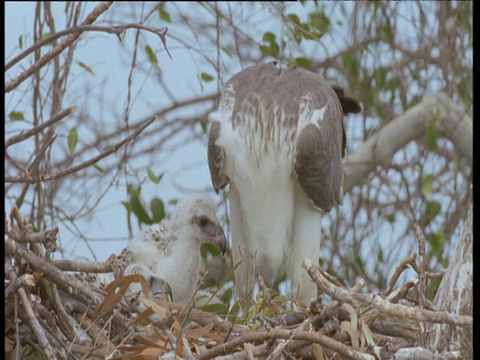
(380, 256)
(465, 90)
(432, 288)
(20, 42)
(220, 309)
(16, 115)
(154, 178)
(359, 268)
(158, 210)
(303, 62)
(208, 282)
(294, 18)
(321, 262)
(349, 63)
(100, 169)
(210, 248)
(431, 135)
(46, 35)
(227, 297)
(203, 123)
(432, 209)
(127, 206)
(72, 140)
(268, 37)
(137, 207)
(274, 49)
(151, 56)
(436, 241)
(390, 218)
(319, 24)
(381, 77)
(386, 32)
(206, 77)
(281, 299)
(164, 14)
(265, 50)
(226, 51)
(427, 185)
(83, 65)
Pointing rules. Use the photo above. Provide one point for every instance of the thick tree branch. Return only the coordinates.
(451, 122)
(455, 294)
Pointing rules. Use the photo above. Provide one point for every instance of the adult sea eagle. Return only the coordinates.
(278, 139)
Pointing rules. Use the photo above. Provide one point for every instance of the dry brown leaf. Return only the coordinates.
(127, 280)
(203, 334)
(37, 276)
(150, 353)
(197, 333)
(117, 289)
(163, 313)
(179, 348)
(318, 351)
(367, 336)
(157, 308)
(132, 348)
(248, 349)
(148, 342)
(9, 345)
(142, 316)
(354, 334)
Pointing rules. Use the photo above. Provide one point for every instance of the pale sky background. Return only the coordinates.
(109, 59)
(107, 231)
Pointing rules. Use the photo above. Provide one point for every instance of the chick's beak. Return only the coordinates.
(220, 240)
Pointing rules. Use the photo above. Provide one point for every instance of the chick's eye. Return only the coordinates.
(203, 221)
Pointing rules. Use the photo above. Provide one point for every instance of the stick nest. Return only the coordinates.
(52, 309)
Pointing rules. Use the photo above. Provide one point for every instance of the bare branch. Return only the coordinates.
(376, 301)
(118, 30)
(48, 350)
(109, 151)
(380, 148)
(100, 9)
(83, 266)
(25, 135)
(311, 337)
(26, 280)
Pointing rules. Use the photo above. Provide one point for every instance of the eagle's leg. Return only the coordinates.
(243, 259)
(305, 244)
